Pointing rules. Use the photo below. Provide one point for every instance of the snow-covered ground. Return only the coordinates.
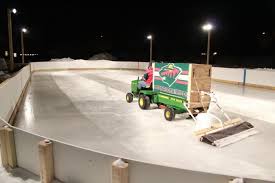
(17, 176)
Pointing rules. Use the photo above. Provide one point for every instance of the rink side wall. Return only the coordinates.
(227, 75)
(77, 164)
(86, 65)
(260, 78)
(11, 90)
(239, 76)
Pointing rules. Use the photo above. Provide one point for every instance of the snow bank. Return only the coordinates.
(62, 59)
(102, 56)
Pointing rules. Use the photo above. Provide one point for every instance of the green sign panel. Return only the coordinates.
(171, 78)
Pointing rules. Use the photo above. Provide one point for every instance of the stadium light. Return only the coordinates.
(24, 30)
(207, 27)
(14, 11)
(150, 37)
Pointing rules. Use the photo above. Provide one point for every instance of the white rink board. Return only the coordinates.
(82, 64)
(257, 77)
(227, 74)
(27, 151)
(10, 91)
(260, 77)
(74, 164)
(93, 167)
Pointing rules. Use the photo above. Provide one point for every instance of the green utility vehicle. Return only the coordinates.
(177, 87)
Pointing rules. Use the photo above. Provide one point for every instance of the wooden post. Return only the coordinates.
(120, 172)
(10, 144)
(46, 161)
(4, 155)
(8, 153)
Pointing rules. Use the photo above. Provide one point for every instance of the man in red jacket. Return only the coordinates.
(147, 79)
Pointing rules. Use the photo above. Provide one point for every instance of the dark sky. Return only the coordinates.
(74, 29)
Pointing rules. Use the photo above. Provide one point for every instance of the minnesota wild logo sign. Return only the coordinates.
(169, 74)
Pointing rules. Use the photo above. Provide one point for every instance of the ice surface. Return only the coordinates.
(251, 102)
(93, 102)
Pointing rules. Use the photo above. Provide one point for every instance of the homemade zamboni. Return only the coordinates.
(186, 88)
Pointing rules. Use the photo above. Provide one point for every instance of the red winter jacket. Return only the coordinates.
(149, 80)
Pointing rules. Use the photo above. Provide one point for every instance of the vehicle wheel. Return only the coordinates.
(169, 114)
(129, 97)
(144, 102)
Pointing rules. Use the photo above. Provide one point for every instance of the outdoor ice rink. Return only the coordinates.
(88, 109)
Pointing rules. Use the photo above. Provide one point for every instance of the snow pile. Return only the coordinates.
(62, 59)
(102, 56)
(206, 120)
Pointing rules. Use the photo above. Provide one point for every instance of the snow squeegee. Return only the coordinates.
(221, 133)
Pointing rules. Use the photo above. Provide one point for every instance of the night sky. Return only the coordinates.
(80, 30)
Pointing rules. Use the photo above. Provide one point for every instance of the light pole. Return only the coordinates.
(10, 11)
(23, 31)
(208, 27)
(149, 37)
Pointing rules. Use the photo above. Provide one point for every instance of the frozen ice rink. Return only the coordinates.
(88, 109)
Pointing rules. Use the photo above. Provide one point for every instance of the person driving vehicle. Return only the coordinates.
(147, 78)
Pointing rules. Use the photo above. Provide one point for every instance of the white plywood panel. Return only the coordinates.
(260, 77)
(227, 74)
